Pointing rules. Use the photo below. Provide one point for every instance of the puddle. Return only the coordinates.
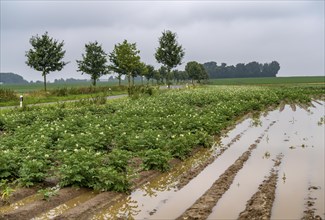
(66, 206)
(303, 162)
(20, 203)
(298, 135)
(245, 184)
(163, 201)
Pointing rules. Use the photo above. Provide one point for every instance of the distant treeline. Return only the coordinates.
(241, 70)
(12, 78)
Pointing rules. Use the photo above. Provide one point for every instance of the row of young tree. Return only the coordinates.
(241, 70)
(46, 55)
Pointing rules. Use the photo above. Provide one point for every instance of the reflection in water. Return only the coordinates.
(66, 206)
(256, 121)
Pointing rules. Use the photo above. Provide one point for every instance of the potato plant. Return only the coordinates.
(92, 145)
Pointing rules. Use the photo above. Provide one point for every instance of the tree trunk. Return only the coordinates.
(94, 82)
(129, 80)
(119, 80)
(132, 80)
(44, 75)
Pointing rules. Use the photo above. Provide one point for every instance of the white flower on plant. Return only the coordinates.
(46, 155)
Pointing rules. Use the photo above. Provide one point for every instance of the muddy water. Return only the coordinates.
(66, 206)
(161, 201)
(299, 136)
(20, 203)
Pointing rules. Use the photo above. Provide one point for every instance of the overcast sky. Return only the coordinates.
(290, 32)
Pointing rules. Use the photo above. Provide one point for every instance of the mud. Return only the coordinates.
(188, 176)
(202, 208)
(18, 194)
(87, 209)
(260, 205)
(309, 213)
(30, 210)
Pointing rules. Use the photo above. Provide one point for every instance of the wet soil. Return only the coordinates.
(18, 195)
(30, 210)
(188, 176)
(202, 208)
(105, 199)
(260, 205)
(309, 213)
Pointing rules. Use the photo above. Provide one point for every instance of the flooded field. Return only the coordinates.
(270, 166)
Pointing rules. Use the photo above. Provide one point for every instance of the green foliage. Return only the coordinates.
(125, 59)
(169, 52)
(46, 55)
(156, 159)
(196, 71)
(47, 193)
(94, 146)
(119, 159)
(5, 190)
(7, 95)
(32, 171)
(138, 91)
(93, 62)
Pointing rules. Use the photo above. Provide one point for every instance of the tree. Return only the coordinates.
(156, 76)
(46, 55)
(169, 53)
(93, 62)
(196, 71)
(274, 68)
(150, 72)
(163, 73)
(141, 70)
(125, 58)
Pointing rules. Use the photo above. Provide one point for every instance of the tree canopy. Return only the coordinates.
(93, 62)
(169, 53)
(45, 55)
(196, 71)
(241, 70)
(125, 59)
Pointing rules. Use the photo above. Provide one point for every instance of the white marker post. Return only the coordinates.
(21, 98)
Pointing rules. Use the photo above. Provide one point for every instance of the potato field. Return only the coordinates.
(212, 152)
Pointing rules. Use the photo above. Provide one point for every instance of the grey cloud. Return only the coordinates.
(291, 32)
